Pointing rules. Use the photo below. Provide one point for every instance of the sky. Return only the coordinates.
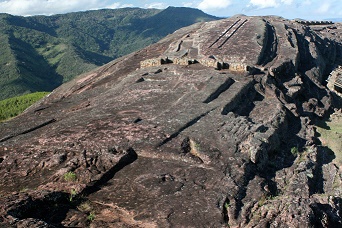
(290, 9)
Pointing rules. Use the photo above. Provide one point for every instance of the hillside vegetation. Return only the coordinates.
(330, 133)
(12, 107)
(39, 53)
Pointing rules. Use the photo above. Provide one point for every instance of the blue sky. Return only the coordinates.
(306, 9)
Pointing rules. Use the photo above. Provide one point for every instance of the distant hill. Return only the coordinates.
(39, 53)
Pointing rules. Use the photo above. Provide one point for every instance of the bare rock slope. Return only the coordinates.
(210, 127)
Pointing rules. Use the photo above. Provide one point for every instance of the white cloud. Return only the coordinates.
(114, 5)
(188, 4)
(213, 5)
(324, 8)
(156, 5)
(118, 5)
(48, 7)
(287, 2)
(265, 3)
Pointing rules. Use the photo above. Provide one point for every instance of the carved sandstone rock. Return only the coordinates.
(210, 126)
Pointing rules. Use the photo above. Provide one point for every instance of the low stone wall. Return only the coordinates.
(183, 61)
(208, 62)
(314, 22)
(238, 67)
(151, 62)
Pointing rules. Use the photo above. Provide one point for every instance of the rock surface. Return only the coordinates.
(215, 129)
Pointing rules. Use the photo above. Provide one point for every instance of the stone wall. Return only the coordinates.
(314, 22)
(151, 62)
(238, 67)
(182, 61)
(208, 62)
(335, 80)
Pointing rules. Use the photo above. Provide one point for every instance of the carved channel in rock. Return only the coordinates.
(28, 130)
(232, 34)
(129, 158)
(218, 39)
(269, 51)
(247, 103)
(187, 125)
(237, 98)
(224, 87)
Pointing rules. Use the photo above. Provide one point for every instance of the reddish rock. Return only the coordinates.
(214, 129)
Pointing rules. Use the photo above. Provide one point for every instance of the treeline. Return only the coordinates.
(12, 107)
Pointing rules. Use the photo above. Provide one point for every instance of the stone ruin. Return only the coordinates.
(208, 62)
(304, 22)
(335, 80)
(213, 53)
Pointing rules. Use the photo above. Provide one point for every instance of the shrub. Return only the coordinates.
(294, 151)
(73, 193)
(91, 216)
(70, 176)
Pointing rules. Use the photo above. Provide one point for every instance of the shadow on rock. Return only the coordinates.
(54, 207)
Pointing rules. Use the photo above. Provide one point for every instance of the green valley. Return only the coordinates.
(39, 53)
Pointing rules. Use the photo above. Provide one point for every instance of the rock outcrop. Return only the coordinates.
(211, 126)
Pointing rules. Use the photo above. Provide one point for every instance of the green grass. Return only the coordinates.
(12, 107)
(73, 194)
(331, 135)
(70, 176)
(91, 216)
(294, 151)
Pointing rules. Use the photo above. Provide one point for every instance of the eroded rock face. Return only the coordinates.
(215, 128)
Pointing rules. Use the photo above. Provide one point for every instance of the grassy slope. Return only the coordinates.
(12, 107)
(331, 135)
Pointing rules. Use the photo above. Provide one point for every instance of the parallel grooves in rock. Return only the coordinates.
(244, 22)
(218, 39)
(223, 87)
(28, 130)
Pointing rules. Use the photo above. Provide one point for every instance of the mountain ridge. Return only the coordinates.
(67, 45)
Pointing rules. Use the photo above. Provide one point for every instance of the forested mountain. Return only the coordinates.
(39, 53)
